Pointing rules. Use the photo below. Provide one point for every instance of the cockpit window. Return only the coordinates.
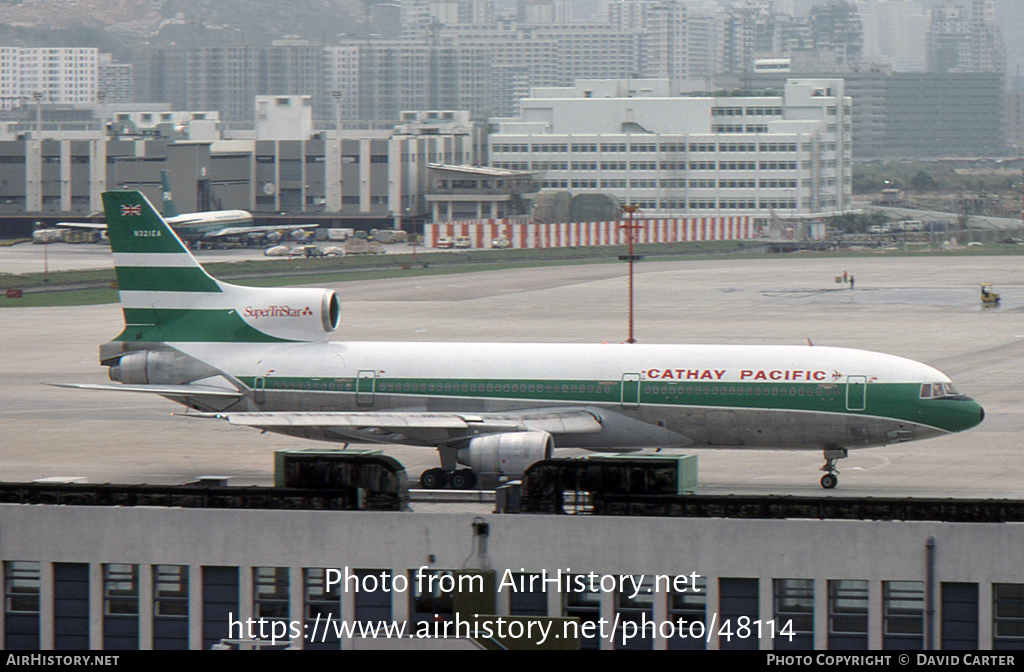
(937, 390)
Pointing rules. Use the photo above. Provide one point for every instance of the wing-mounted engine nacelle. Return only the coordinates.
(159, 367)
(507, 454)
(290, 313)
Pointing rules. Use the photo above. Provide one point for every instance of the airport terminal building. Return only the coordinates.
(667, 152)
(126, 577)
(57, 167)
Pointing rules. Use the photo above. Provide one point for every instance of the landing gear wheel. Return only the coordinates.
(463, 479)
(831, 477)
(433, 479)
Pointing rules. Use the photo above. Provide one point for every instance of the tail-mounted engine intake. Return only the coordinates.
(507, 454)
(288, 312)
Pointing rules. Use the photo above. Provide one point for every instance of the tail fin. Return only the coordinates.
(167, 296)
(165, 194)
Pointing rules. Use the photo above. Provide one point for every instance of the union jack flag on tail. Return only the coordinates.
(131, 210)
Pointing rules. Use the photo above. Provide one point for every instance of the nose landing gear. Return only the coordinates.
(831, 477)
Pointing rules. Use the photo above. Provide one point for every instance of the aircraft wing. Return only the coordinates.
(164, 390)
(414, 422)
(242, 230)
(82, 225)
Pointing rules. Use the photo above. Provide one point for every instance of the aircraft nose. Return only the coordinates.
(973, 415)
(963, 414)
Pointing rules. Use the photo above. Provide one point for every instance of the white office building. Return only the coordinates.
(672, 154)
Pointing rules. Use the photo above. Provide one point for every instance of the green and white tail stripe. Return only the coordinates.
(166, 295)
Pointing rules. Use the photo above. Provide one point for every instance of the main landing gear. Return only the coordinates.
(459, 479)
(831, 477)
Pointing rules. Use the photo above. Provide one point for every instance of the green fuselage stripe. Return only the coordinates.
(165, 279)
(177, 325)
(898, 401)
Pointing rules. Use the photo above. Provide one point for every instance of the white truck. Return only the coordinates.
(340, 235)
(44, 236)
(390, 236)
(362, 246)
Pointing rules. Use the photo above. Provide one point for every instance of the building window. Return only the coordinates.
(903, 609)
(794, 611)
(270, 592)
(322, 608)
(636, 609)
(737, 598)
(432, 594)
(21, 587)
(848, 614)
(1007, 615)
(689, 606)
(578, 601)
(960, 616)
(530, 597)
(372, 602)
(120, 589)
(170, 591)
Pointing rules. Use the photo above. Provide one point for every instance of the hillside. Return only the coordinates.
(250, 20)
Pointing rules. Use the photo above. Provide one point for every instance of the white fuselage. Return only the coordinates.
(647, 395)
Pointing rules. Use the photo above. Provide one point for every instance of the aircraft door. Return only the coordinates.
(630, 390)
(259, 390)
(366, 383)
(856, 393)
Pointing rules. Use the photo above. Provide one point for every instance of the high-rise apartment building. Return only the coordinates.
(228, 78)
(895, 33)
(53, 75)
(375, 80)
(115, 82)
(837, 30)
(961, 43)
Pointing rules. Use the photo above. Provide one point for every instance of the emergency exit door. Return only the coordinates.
(856, 393)
(630, 389)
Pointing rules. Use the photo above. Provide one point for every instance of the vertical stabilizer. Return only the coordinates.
(167, 296)
(166, 196)
(160, 282)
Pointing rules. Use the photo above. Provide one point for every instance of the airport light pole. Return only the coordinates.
(631, 234)
(38, 97)
(414, 234)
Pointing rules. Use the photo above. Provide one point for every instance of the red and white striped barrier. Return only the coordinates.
(521, 233)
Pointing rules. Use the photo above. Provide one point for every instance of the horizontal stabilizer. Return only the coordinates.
(82, 225)
(166, 390)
